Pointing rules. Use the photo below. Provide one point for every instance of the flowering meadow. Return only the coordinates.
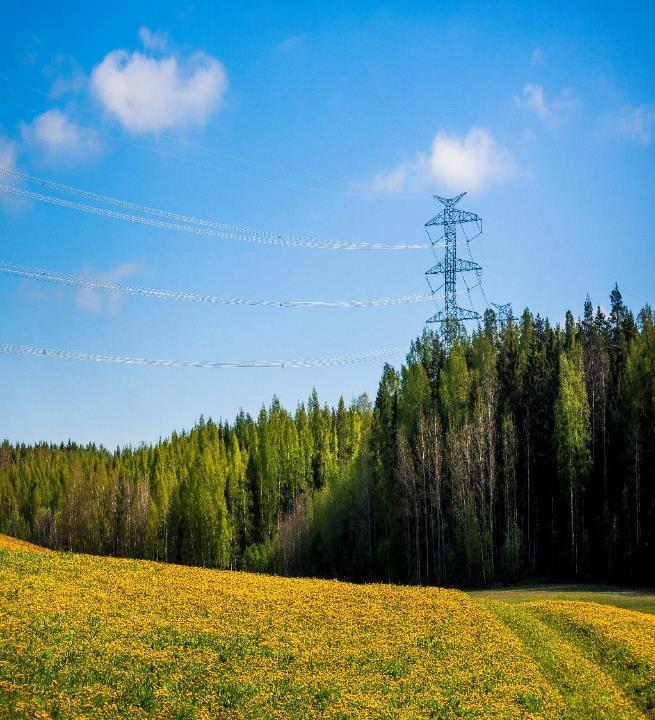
(91, 637)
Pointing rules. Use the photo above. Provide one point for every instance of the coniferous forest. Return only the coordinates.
(528, 451)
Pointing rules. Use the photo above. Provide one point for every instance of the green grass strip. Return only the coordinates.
(587, 691)
(633, 674)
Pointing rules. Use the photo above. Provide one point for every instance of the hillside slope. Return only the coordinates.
(84, 636)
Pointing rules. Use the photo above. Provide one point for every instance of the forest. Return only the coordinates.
(526, 452)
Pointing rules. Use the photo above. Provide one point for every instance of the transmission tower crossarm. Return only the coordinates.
(462, 314)
(458, 216)
(449, 202)
(504, 313)
(436, 269)
(460, 266)
(465, 265)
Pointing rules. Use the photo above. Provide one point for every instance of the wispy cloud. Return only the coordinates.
(533, 98)
(637, 123)
(538, 57)
(59, 139)
(66, 76)
(397, 179)
(146, 94)
(473, 162)
(102, 301)
(8, 154)
(153, 39)
(290, 43)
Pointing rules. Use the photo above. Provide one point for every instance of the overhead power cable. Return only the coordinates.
(352, 359)
(35, 273)
(205, 228)
(188, 219)
(478, 271)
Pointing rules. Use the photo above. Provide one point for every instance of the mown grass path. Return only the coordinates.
(589, 692)
(621, 642)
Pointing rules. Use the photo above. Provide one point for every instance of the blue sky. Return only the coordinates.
(312, 119)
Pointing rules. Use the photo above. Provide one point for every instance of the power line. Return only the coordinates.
(478, 271)
(209, 228)
(179, 217)
(51, 353)
(35, 273)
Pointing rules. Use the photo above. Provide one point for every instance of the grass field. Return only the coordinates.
(88, 637)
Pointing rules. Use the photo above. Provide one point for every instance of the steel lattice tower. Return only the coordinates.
(449, 218)
(504, 313)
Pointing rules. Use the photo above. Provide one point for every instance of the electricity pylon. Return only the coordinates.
(449, 218)
(504, 313)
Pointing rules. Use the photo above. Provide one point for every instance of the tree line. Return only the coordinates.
(525, 451)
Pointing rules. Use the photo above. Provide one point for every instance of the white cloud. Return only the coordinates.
(472, 162)
(637, 123)
(99, 301)
(534, 99)
(153, 39)
(60, 139)
(149, 95)
(537, 57)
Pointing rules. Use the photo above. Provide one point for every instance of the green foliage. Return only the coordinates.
(572, 437)
(572, 420)
(455, 387)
